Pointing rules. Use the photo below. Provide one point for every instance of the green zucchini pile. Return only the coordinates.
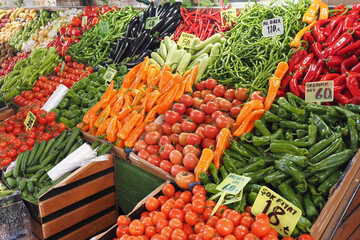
(298, 149)
(30, 173)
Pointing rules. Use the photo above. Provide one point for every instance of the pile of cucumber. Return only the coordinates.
(30, 172)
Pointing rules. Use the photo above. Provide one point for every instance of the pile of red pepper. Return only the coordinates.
(329, 53)
(201, 23)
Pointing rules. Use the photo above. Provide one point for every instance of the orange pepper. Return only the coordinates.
(153, 96)
(126, 108)
(161, 98)
(112, 130)
(187, 73)
(206, 158)
(102, 116)
(248, 122)
(181, 89)
(135, 135)
(221, 143)
(130, 76)
(191, 80)
(165, 78)
(83, 127)
(121, 144)
(246, 109)
(311, 12)
(92, 112)
(281, 70)
(167, 102)
(140, 95)
(150, 117)
(117, 106)
(128, 127)
(296, 41)
(175, 80)
(115, 98)
(103, 127)
(153, 72)
(324, 11)
(91, 123)
(274, 84)
(144, 66)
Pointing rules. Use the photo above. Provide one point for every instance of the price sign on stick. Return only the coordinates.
(272, 27)
(29, 121)
(228, 16)
(151, 22)
(104, 27)
(233, 184)
(283, 215)
(319, 91)
(83, 21)
(109, 74)
(186, 40)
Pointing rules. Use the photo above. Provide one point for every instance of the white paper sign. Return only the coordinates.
(272, 27)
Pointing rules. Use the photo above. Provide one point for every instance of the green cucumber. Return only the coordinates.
(33, 153)
(10, 182)
(30, 186)
(34, 169)
(63, 144)
(72, 139)
(105, 150)
(49, 158)
(47, 149)
(95, 144)
(22, 185)
(59, 140)
(35, 160)
(17, 165)
(24, 161)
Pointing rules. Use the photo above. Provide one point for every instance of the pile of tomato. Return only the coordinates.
(8, 65)
(187, 215)
(190, 125)
(45, 86)
(15, 138)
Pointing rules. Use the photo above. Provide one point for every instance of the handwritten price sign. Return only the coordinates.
(29, 121)
(109, 74)
(272, 27)
(233, 184)
(83, 21)
(104, 27)
(228, 16)
(319, 91)
(151, 22)
(283, 214)
(186, 40)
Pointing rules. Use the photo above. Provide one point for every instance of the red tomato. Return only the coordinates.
(241, 94)
(211, 131)
(179, 108)
(30, 142)
(123, 220)
(167, 231)
(204, 93)
(208, 233)
(234, 111)
(262, 216)
(198, 206)
(171, 116)
(161, 224)
(194, 139)
(186, 100)
(191, 218)
(176, 213)
(200, 86)
(224, 226)
(219, 90)
(257, 95)
(143, 154)
(200, 132)
(24, 148)
(212, 220)
(187, 126)
(210, 83)
(150, 231)
(153, 149)
(165, 165)
(260, 227)
(174, 138)
(250, 236)
(240, 231)
(175, 169)
(216, 114)
(197, 102)
(178, 234)
(154, 160)
(305, 237)
(168, 190)
(197, 116)
(191, 149)
(229, 94)
(136, 228)
(122, 230)
(225, 105)
(176, 157)
(209, 98)
(184, 178)
(167, 128)
(152, 127)
(247, 221)
(152, 137)
(223, 122)
(183, 138)
(165, 150)
(190, 161)
(211, 107)
(140, 145)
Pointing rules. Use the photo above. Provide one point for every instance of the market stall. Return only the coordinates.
(172, 122)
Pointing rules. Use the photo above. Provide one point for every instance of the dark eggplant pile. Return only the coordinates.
(139, 42)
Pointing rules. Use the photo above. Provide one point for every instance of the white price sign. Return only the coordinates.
(272, 27)
(322, 91)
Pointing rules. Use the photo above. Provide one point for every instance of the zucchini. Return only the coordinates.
(163, 50)
(171, 52)
(184, 62)
(202, 67)
(211, 40)
(33, 153)
(158, 58)
(47, 149)
(206, 49)
(17, 165)
(35, 160)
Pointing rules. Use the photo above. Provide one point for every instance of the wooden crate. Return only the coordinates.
(81, 205)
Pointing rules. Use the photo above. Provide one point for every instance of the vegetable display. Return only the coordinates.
(25, 72)
(30, 172)
(83, 96)
(140, 40)
(181, 60)
(94, 46)
(16, 139)
(308, 146)
(327, 53)
(247, 58)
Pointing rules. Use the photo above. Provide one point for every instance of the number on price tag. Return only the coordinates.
(151, 22)
(319, 91)
(29, 121)
(83, 21)
(186, 40)
(233, 184)
(228, 16)
(283, 214)
(109, 74)
(104, 27)
(272, 27)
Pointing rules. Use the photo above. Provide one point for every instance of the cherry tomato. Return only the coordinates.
(153, 159)
(240, 231)
(191, 149)
(260, 227)
(190, 161)
(234, 111)
(153, 149)
(136, 228)
(209, 233)
(224, 226)
(250, 236)
(167, 231)
(204, 93)
(219, 90)
(165, 150)
(178, 234)
(216, 114)
(143, 154)
(183, 138)
(171, 116)
(122, 230)
(198, 206)
(167, 128)
(191, 218)
(176, 213)
(187, 126)
(123, 220)
(210, 83)
(200, 86)
(193, 139)
(184, 178)
(174, 138)
(150, 231)
(176, 157)
(247, 221)
(262, 216)
(179, 108)
(211, 131)
(186, 100)
(168, 190)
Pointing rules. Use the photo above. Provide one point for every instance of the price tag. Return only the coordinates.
(186, 40)
(272, 27)
(109, 74)
(57, 25)
(104, 27)
(283, 214)
(29, 120)
(319, 91)
(151, 22)
(228, 16)
(233, 184)
(83, 21)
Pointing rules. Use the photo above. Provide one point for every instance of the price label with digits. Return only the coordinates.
(186, 40)
(29, 121)
(104, 27)
(109, 74)
(151, 22)
(83, 21)
(283, 215)
(272, 27)
(228, 16)
(233, 184)
(319, 91)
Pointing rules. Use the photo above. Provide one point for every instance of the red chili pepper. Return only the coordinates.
(342, 7)
(301, 89)
(308, 37)
(325, 71)
(338, 89)
(285, 82)
(330, 76)
(353, 85)
(316, 48)
(298, 56)
(357, 34)
(356, 68)
(334, 35)
(350, 20)
(319, 36)
(280, 94)
(355, 27)
(355, 100)
(340, 80)
(318, 72)
(310, 75)
(348, 63)
(344, 39)
(356, 7)
(329, 28)
(349, 48)
(305, 62)
(294, 82)
(341, 99)
(334, 61)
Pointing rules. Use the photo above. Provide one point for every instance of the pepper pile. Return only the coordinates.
(308, 147)
(328, 53)
(201, 23)
(8, 64)
(14, 138)
(145, 90)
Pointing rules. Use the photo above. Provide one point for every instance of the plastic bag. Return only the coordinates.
(14, 218)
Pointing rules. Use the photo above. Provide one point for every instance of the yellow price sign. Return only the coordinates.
(319, 91)
(83, 21)
(57, 25)
(109, 74)
(283, 214)
(233, 184)
(228, 16)
(186, 40)
(29, 121)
